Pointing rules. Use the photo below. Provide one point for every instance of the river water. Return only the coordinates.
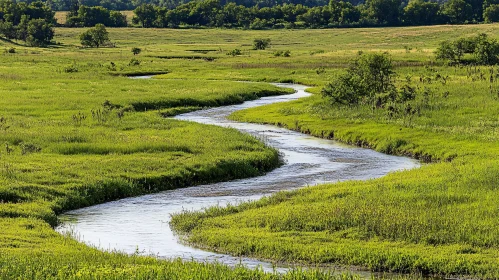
(142, 223)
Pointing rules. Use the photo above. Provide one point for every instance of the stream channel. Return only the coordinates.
(141, 223)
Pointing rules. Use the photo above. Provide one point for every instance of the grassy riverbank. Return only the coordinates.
(73, 132)
(439, 219)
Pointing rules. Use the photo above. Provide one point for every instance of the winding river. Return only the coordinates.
(141, 223)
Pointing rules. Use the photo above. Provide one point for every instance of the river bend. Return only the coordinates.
(142, 222)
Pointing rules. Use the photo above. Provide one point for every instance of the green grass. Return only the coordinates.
(76, 132)
(439, 219)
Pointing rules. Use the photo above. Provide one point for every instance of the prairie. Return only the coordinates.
(75, 131)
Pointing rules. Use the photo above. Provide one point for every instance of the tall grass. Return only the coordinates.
(75, 131)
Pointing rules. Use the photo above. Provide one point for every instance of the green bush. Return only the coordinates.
(261, 44)
(370, 74)
(235, 52)
(134, 62)
(485, 51)
(136, 51)
(94, 37)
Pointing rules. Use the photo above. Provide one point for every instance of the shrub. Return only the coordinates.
(235, 52)
(136, 51)
(485, 51)
(261, 44)
(369, 75)
(94, 37)
(70, 69)
(134, 62)
(286, 53)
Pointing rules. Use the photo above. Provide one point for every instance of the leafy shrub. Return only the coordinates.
(261, 44)
(485, 51)
(134, 62)
(369, 75)
(285, 53)
(70, 69)
(136, 51)
(235, 52)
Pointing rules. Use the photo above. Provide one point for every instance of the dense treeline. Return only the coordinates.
(212, 13)
(31, 23)
(121, 5)
(81, 16)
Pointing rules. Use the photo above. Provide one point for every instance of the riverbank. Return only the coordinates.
(436, 220)
(307, 161)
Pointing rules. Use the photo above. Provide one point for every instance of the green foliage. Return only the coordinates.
(145, 15)
(285, 53)
(491, 13)
(235, 52)
(94, 37)
(261, 44)
(458, 11)
(134, 62)
(384, 12)
(368, 76)
(87, 16)
(485, 51)
(31, 23)
(39, 33)
(136, 50)
(420, 12)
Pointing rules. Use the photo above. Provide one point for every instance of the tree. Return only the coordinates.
(39, 33)
(368, 76)
(420, 12)
(8, 30)
(458, 11)
(491, 13)
(94, 37)
(145, 14)
(117, 19)
(384, 11)
(261, 44)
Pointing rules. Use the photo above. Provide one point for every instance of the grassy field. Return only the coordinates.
(440, 219)
(76, 132)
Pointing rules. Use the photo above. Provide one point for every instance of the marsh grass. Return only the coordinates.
(69, 139)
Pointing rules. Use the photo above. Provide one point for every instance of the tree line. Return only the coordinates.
(32, 23)
(122, 5)
(212, 13)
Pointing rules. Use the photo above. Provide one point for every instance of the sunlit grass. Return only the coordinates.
(76, 133)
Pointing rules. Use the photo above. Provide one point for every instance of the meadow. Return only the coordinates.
(76, 131)
(437, 220)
